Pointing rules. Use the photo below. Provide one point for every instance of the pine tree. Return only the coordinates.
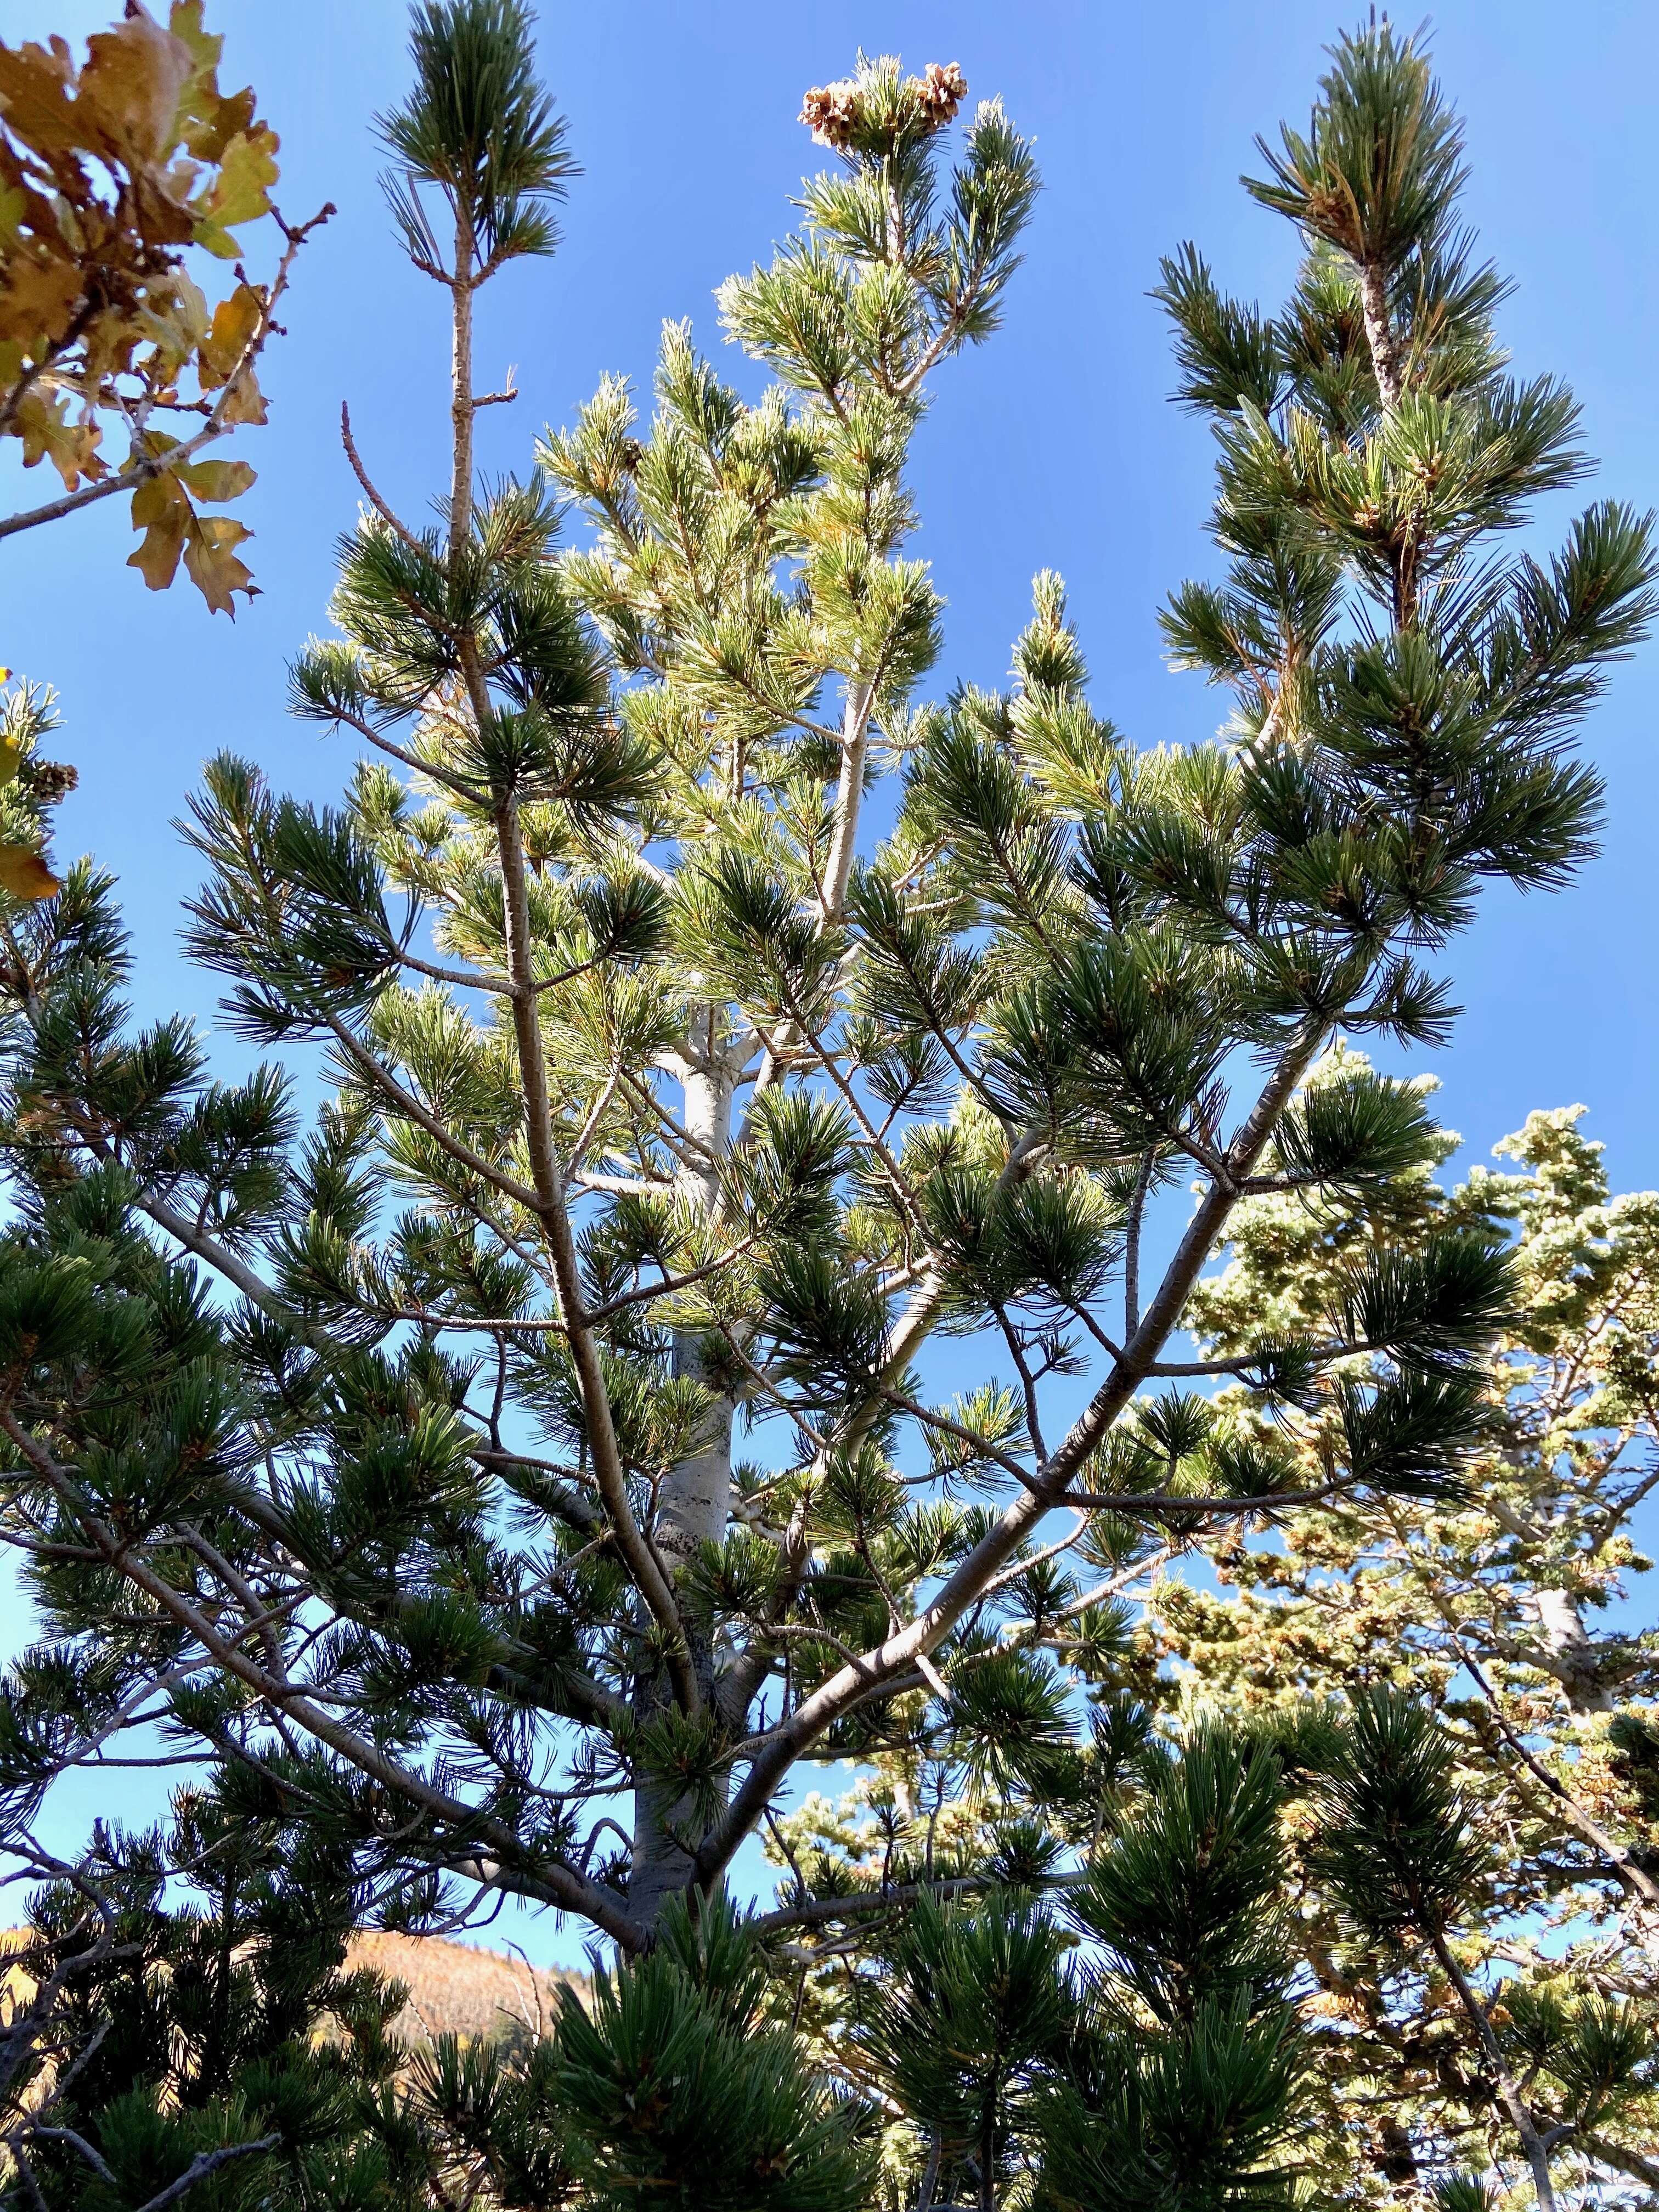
(1159, 2064)
(175, 2023)
(1140, 2047)
(1483, 1608)
(395, 1462)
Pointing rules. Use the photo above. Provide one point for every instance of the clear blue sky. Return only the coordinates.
(1054, 445)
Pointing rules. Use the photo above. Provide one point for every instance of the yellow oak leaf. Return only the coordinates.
(216, 481)
(247, 169)
(235, 320)
(213, 568)
(190, 306)
(130, 87)
(24, 875)
(162, 512)
(185, 22)
(231, 112)
(222, 244)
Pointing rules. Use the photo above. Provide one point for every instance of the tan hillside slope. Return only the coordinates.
(454, 1988)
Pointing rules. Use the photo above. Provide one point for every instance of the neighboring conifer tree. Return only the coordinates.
(398, 1463)
(1484, 1607)
(159, 2019)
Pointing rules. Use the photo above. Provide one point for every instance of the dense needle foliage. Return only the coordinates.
(505, 1483)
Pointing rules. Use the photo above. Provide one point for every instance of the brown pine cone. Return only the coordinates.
(830, 113)
(941, 89)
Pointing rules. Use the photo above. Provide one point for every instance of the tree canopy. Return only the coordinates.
(518, 1476)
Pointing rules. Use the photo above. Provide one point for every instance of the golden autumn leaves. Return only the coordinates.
(111, 172)
(108, 174)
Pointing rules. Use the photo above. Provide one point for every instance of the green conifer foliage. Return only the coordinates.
(1488, 1607)
(514, 1476)
(161, 2030)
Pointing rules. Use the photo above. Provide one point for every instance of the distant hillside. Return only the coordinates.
(453, 1987)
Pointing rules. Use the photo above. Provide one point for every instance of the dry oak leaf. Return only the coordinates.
(47, 434)
(212, 564)
(24, 875)
(171, 528)
(36, 88)
(211, 118)
(38, 298)
(132, 86)
(162, 510)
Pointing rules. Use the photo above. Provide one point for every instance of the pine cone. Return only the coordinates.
(830, 113)
(47, 780)
(941, 89)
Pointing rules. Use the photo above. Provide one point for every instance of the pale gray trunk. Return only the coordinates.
(1572, 1653)
(659, 1867)
(696, 1496)
(694, 1502)
(696, 1499)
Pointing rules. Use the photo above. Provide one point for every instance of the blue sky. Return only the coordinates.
(1054, 445)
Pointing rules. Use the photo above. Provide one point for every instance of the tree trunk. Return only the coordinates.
(462, 406)
(694, 1502)
(694, 1506)
(1392, 2153)
(1572, 1651)
(1380, 335)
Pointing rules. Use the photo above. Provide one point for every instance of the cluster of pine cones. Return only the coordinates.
(832, 111)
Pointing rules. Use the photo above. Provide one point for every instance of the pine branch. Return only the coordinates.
(964, 1586)
(1632, 1876)
(550, 1879)
(548, 1204)
(1532, 2144)
(204, 2163)
(375, 1072)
